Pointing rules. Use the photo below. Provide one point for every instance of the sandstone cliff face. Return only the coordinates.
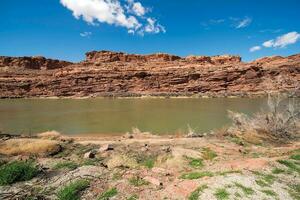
(107, 73)
(37, 62)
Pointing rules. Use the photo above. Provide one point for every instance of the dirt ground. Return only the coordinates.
(151, 167)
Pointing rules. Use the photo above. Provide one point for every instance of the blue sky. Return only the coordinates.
(66, 29)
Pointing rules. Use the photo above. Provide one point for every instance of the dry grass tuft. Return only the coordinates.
(52, 135)
(29, 147)
(281, 122)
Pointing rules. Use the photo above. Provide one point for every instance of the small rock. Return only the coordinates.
(153, 180)
(195, 135)
(106, 147)
(89, 154)
(166, 149)
(159, 170)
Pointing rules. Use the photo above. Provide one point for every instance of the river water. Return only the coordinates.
(117, 116)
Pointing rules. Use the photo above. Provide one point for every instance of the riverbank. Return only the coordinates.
(143, 166)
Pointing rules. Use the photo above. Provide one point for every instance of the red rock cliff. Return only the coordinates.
(106, 73)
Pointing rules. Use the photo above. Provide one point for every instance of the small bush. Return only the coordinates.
(196, 175)
(108, 194)
(290, 164)
(295, 157)
(195, 162)
(246, 190)
(221, 194)
(137, 181)
(17, 171)
(65, 165)
(208, 154)
(269, 193)
(277, 171)
(149, 163)
(72, 191)
(195, 194)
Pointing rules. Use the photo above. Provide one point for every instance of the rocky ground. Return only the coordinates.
(106, 73)
(142, 166)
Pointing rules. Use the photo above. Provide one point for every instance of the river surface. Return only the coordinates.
(117, 116)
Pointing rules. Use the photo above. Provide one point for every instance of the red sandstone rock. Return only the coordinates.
(37, 62)
(107, 73)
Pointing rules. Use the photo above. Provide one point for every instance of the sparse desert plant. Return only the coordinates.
(72, 191)
(280, 122)
(196, 175)
(137, 181)
(108, 194)
(17, 171)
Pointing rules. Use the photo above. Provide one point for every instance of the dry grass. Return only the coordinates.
(29, 147)
(52, 135)
(280, 122)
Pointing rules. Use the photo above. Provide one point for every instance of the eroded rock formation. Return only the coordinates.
(106, 73)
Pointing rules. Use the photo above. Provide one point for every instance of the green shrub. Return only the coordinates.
(295, 157)
(137, 181)
(208, 154)
(246, 190)
(291, 165)
(196, 175)
(108, 194)
(195, 194)
(221, 194)
(72, 191)
(17, 171)
(195, 162)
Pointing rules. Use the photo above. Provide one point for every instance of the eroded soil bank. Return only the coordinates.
(143, 166)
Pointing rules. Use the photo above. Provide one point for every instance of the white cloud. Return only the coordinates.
(112, 12)
(237, 23)
(283, 40)
(255, 48)
(85, 34)
(242, 23)
(136, 8)
(268, 43)
(153, 26)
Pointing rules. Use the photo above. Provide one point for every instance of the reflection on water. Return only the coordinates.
(117, 116)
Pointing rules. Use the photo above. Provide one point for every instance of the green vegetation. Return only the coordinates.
(137, 181)
(290, 164)
(133, 197)
(221, 194)
(246, 190)
(278, 171)
(208, 154)
(195, 162)
(195, 194)
(230, 172)
(265, 179)
(269, 193)
(72, 191)
(294, 191)
(149, 163)
(261, 183)
(295, 157)
(17, 171)
(66, 165)
(108, 194)
(196, 175)
(146, 160)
